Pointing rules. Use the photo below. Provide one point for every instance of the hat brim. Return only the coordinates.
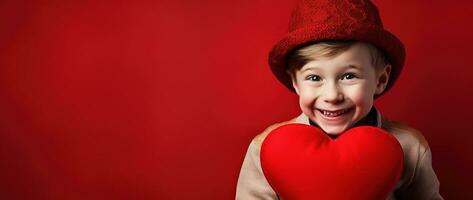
(375, 35)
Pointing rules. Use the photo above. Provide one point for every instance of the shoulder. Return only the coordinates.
(414, 146)
(258, 139)
(418, 177)
(253, 152)
(410, 138)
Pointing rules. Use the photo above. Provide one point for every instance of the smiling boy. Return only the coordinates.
(338, 58)
(336, 91)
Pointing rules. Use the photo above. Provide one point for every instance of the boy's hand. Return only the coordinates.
(302, 162)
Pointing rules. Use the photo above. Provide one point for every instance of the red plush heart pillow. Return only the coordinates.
(302, 162)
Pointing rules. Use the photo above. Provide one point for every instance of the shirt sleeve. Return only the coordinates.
(425, 185)
(251, 183)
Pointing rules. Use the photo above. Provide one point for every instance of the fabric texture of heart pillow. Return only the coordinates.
(302, 162)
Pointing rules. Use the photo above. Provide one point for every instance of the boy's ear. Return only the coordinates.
(382, 79)
(294, 83)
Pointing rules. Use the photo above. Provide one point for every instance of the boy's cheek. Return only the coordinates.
(360, 93)
(307, 105)
(304, 103)
(306, 97)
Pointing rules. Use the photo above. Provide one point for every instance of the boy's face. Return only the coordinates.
(337, 92)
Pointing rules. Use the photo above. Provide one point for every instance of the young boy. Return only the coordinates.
(338, 58)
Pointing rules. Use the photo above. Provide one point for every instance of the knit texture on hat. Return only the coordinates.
(321, 20)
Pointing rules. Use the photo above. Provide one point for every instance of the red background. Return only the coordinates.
(159, 100)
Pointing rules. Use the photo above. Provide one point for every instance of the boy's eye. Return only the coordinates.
(313, 78)
(348, 76)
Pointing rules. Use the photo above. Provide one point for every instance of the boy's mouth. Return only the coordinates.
(334, 113)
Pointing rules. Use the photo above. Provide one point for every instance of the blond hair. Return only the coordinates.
(303, 55)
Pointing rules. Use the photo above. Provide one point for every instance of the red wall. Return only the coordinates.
(141, 100)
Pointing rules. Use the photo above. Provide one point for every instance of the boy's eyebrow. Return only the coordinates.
(350, 66)
(308, 68)
(353, 66)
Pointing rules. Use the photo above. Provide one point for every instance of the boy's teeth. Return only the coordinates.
(333, 114)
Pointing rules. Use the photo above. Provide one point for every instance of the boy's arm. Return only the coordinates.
(252, 184)
(424, 185)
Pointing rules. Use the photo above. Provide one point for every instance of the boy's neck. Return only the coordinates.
(371, 119)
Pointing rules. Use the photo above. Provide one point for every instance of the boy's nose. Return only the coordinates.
(332, 94)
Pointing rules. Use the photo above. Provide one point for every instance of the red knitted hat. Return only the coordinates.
(320, 20)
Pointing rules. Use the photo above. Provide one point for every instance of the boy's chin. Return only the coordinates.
(334, 130)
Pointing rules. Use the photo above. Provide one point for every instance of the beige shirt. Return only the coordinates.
(418, 180)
